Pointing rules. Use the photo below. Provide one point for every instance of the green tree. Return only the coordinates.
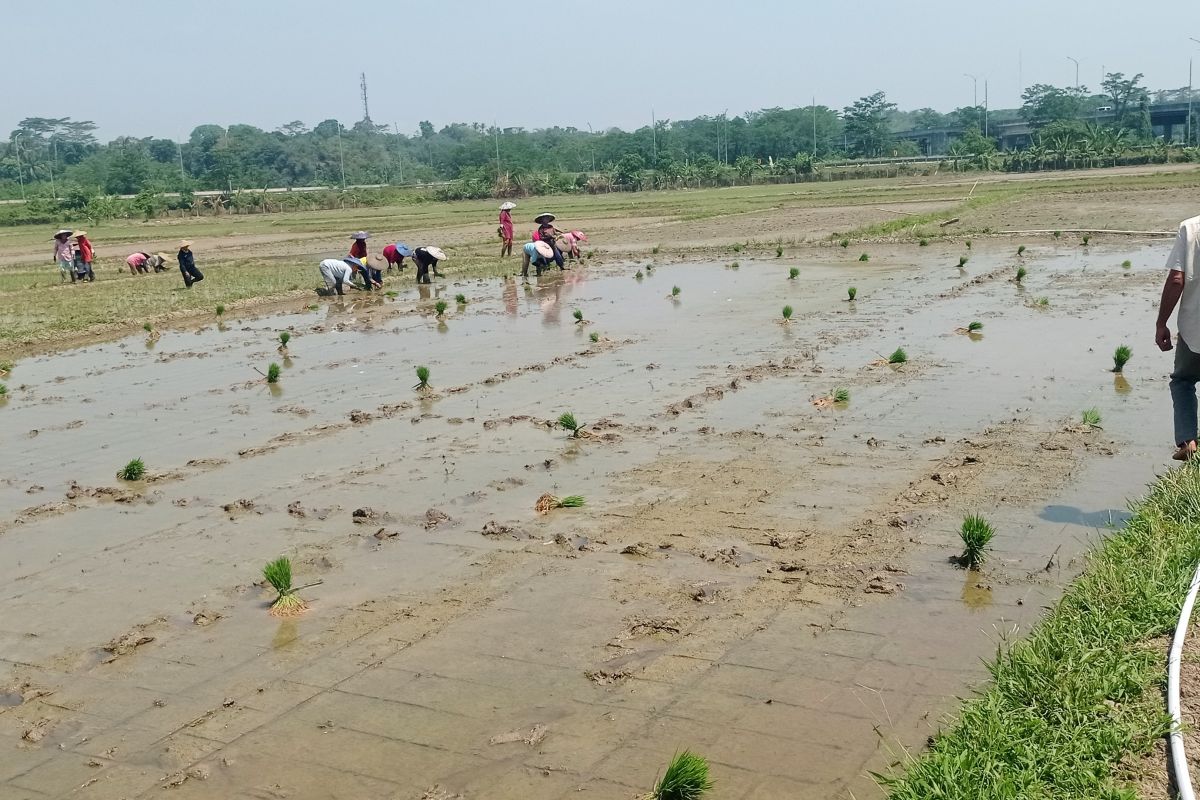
(1043, 104)
(867, 124)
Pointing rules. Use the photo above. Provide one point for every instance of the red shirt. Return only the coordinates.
(391, 256)
(85, 249)
(506, 224)
(359, 248)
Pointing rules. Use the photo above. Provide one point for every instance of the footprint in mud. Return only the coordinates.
(240, 508)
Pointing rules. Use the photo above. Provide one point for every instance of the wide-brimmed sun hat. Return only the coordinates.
(185, 243)
(62, 232)
(360, 235)
(352, 261)
(163, 256)
(580, 235)
(544, 250)
(436, 252)
(544, 218)
(403, 250)
(80, 233)
(508, 205)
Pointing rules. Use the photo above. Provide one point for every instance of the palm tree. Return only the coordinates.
(956, 152)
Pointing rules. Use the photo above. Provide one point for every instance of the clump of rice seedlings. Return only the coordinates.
(135, 470)
(389, 293)
(6, 367)
(638, 276)
(1043, 302)
(675, 291)
(962, 262)
(737, 248)
(852, 292)
(314, 306)
(1057, 234)
(568, 422)
(976, 532)
(422, 378)
(1020, 250)
(278, 573)
(1021, 273)
(548, 501)
(1127, 264)
(793, 273)
(273, 371)
(461, 299)
(1091, 417)
(591, 253)
(841, 395)
(923, 243)
(3, 391)
(147, 327)
(440, 307)
(686, 778)
(973, 327)
(284, 338)
(968, 244)
(220, 309)
(578, 315)
(864, 257)
(844, 243)
(779, 251)
(655, 249)
(1121, 357)
(594, 337)
(898, 357)
(649, 268)
(571, 501)
(787, 313)
(1085, 240)
(734, 264)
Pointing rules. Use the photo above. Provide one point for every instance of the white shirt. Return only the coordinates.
(333, 268)
(1184, 259)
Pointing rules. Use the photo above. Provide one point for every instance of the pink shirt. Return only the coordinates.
(136, 260)
(63, 251)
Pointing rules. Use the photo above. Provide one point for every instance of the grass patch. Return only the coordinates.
(1079, 700)
(898, 357)
(1121, 357)
(135, 470)
(1042, 302)
(686, 778)
(1091, 417)
(923, 243)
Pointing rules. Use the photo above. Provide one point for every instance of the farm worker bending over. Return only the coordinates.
(84, 254)
(187, 264)
(339, 272)
(64, 255)
(1183, 289)
(539, 254)
(157, 262)
(394, 254)
(427, 258)
(137, 263)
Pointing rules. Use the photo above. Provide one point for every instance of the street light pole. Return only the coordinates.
(1189, 125)
(341, 157)
(20, 176)
(974, 89)
(1076, 61)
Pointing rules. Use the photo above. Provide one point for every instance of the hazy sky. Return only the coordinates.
(149, 67)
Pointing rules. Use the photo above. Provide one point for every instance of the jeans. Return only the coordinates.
(191, 274)
(1183, 391)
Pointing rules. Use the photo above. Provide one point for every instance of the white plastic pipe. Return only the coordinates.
(1179, 764)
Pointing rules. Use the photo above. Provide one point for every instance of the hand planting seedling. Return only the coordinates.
(568, 422)
(864, 257)
(135, 470)
(594, 337)
(461, 299)
(422, 378)
(440, 307)
(273, 371)
(787, 313)
(1021, 273)
(793, 273)
(278, 573)
(975, 533)
(851, 292)
(1020, 250)
(1091, 418)
(1121, 357)
(898, 357)
(686, 778)
(578, 315)
(548, 502)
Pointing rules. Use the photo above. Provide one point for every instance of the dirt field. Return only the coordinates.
(754, 576)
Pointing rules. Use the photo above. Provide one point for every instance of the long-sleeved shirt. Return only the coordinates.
(85, 249)
(506, 224)
(186, 259)
(63, 250)
(336, 271)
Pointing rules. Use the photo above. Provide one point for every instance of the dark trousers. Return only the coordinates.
(191, 274)
(558, 256)
(1183, 391)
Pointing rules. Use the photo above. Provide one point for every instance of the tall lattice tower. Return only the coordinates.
(366, 108)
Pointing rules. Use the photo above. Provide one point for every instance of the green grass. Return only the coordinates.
(675, 291)
(422, 378)
(898, 357)
(1121, 357)
(594, 337)
(460, 299)
(568, 422)
(284, 338)
(864, 257)
(974, 326)
(737, 248)
(572, 501)
(1091, 417)
(976, 534)
(793, 273)
(273, 371)
(440, 307)
(841, 395)
(1085, 240)
(135, 470)
(852, 293)
(1021, 273)
(844, 243)
(1075, 706)
(787, 313)
(686, 778)
(1057, 234)
(6, 367)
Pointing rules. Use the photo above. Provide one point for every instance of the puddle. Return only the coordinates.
(11, 699)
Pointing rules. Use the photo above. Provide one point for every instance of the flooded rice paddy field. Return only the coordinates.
(755, 577)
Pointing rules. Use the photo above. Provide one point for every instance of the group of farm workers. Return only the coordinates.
(356, 271)
(75, 259)
(547, 245)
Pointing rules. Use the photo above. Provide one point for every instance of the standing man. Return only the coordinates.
(1183, 289)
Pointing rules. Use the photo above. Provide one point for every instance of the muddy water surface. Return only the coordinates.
(756, 577)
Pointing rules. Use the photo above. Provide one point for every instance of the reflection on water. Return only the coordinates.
(975, 336)
(285, 634)
(1069, 515)
(975, 593)
(1121, 385)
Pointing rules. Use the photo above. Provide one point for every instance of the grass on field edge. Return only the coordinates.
(1073, 708)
